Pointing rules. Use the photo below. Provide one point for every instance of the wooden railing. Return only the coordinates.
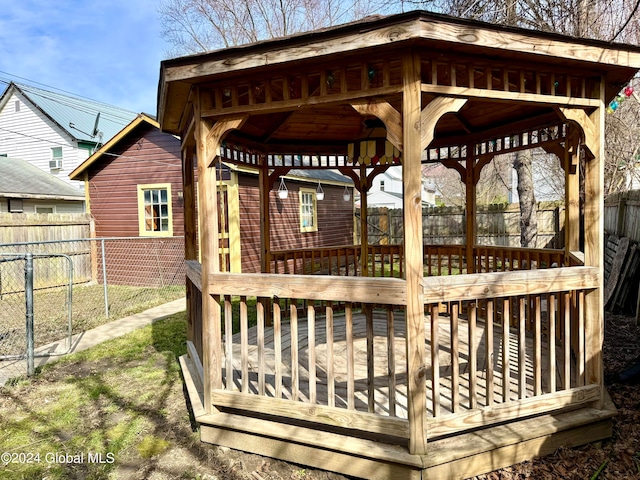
(388, 260)
(350, 367)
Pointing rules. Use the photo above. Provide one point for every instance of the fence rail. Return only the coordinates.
(496, 225)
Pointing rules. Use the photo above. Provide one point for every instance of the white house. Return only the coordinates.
(386, 190)
(53, 131)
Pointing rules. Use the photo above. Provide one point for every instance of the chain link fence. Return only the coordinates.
(78, 285)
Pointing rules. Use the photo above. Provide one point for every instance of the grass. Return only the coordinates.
(51, 309)
(114, 400)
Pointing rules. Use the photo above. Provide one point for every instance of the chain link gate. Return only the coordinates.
(33, 326)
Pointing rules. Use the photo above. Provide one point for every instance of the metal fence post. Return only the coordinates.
(28, 294)
(104, 282)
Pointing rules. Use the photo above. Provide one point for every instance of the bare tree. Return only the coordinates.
(193, 26)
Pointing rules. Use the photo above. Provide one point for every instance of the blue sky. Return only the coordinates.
(106, 50)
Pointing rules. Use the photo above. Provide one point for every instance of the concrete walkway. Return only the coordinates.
(90, 338)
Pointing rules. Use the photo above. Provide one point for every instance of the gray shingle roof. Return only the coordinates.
(21, 179)
(66, 110)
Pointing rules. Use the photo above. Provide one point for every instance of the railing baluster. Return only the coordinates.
(489, 351)
(435, 360)
(506, 354)
(371, 399)
(455, 358)
(551, 311)
(295, 370)
(581, 339)
(277, 345)
(228, 342)
(311, 325)
(566, 302)
(391, 361)
(261, 357)
(522, 352)
(537, 346)
(473, 360)
(348, 314)
(244, 344)
(331, 386)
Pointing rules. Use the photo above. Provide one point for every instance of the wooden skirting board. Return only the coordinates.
(454, 457)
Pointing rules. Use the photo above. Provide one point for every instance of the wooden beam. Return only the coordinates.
(388, 291)
(586, 123)
(430, 115)
(412, 211)
(322, 414)
(501, 413)
(296, 104)
(212, 356)
(217, 132)
(453, 288)
(266, 181)
(470, 211)
(383, 110)
(593, 127)
(502, 96)
(364, 230)
(189, 199)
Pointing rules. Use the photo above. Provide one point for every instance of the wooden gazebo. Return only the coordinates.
(396, 361)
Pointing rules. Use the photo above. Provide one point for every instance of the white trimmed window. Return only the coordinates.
(308, 210)
(155, 218)
(56, 158)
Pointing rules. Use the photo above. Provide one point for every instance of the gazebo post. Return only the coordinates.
(470, 209)
(209, 248)
(593, 246)
(411, 179)
(593, 129)
(572, 201)
(190, 244)
(265, 236)
(364, 230)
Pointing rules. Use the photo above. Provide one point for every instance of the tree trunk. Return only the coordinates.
(528, 212)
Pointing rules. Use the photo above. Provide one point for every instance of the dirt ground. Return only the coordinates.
(618, 458)
(188, 458)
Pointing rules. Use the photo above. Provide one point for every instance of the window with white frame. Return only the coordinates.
(154, 210)
(308, 210)
(56, 158)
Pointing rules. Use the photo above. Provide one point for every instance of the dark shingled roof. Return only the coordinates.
(20, 179)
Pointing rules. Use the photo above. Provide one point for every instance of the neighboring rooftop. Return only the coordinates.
(20, 179)
(75, 115)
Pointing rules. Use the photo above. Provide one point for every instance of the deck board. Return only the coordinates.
(448, 367)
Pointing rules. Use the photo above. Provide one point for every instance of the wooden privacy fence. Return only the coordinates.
(496, 225)
(622, 214)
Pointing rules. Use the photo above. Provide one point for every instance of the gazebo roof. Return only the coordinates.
(508, 74)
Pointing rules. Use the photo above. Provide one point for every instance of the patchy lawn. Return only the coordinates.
(118, 411)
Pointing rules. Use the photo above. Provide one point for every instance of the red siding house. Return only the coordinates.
(133, 187)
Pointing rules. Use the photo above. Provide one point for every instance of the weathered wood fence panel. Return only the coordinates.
(622, 215)
(496, 225)
(39, 227)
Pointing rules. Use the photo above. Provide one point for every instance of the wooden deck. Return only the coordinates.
(476, 375)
